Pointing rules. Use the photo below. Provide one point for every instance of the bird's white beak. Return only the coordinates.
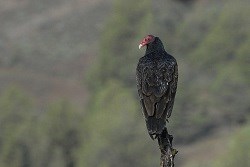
(140, 46)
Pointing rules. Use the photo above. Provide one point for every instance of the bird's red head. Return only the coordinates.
(146, 40)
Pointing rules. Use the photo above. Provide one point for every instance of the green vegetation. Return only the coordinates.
(118, 42)
(238, 153)
(114, 133)
(29, 138)
(15, 120)
(210, 40)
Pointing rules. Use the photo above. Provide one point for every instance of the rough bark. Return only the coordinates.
(167, 151)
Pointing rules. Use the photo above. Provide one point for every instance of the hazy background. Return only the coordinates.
(67, 82)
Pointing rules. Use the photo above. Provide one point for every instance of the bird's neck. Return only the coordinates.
(155, 47)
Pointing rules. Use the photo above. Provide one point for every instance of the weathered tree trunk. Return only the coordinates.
(167, 151)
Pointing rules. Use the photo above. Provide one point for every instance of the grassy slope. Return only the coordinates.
(207, 149)
(34, 39)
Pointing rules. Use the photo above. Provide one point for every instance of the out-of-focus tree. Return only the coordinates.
(113, 131)
(16, 115)
(59, 129)
(129, 22)
(220, 54)
(115, 135)
(216, 68)
(32, 139)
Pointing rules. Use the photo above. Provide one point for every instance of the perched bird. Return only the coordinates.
(156, 76)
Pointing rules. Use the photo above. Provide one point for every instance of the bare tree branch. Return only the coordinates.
(167, 151)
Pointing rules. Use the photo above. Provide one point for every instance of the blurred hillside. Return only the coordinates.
(67, 82)
(44, 45)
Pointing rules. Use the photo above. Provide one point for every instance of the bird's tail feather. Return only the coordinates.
(155, 126)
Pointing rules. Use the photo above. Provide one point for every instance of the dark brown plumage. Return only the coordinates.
(157, 76)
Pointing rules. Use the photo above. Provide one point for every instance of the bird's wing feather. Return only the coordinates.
(139, 87)
(172, 92)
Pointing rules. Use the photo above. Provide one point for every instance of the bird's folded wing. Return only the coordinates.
(172, 92)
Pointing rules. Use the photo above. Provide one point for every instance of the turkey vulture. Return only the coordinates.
(156, 76)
